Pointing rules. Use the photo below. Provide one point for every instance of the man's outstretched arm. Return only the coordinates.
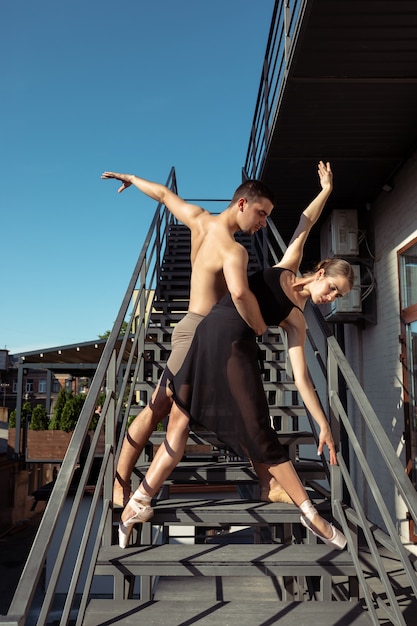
(182, 210)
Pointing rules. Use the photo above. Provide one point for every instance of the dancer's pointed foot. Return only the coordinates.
(336, 540)
(275, 494)
(322, 529)
(142, 512)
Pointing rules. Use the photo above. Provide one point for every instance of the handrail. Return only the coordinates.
(122, 362)
(335, 371)
(286, 20)
(338, 360)
(114, 372)
(338, 366)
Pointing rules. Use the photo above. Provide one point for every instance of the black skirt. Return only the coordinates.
(220, 388)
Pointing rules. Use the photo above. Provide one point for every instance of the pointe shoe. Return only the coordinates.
(143, 513)
(276, 494)
(337, 540)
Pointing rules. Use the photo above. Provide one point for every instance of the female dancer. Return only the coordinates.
(219, 385)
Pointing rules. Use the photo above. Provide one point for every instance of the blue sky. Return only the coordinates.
(135, 86)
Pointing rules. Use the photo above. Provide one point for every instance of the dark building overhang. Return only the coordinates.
(79, 359)
(350, 97)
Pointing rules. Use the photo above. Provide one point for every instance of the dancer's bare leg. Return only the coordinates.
(271, 489)
(135, 440)
(169, 454)
(286, 475)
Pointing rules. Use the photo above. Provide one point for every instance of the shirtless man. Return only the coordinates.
(218, 264)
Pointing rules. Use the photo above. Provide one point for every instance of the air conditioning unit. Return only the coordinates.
(339, 234)
(343, 309)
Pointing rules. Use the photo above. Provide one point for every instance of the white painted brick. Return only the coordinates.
(376, 361)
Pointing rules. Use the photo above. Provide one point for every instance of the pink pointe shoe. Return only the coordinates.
(143, 513)
(337, 540)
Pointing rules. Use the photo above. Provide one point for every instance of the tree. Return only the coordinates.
(39, 419)
(24, 415)
(12, 419)
(106, 334)
(55, 423)
(71, 412)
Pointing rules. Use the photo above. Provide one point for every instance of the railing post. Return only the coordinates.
(287, 20)
(143, 299)
(110, 439)
(17, 443)
(266, 100)
(336, 479)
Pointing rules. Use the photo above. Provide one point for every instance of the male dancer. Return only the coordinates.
(218, 264)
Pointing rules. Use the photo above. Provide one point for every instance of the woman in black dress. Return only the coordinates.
(220, 387)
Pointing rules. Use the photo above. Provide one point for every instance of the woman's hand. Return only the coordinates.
(325, 175)
(326, 439)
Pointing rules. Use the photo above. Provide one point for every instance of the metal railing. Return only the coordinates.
(286, 20)
(340, 373)
(333, 378)
(332, 375)
(116, 370)
(121, 363)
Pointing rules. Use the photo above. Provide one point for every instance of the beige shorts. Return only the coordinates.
(181, 341)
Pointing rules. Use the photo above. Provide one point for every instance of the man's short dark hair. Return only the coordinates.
(252, 190)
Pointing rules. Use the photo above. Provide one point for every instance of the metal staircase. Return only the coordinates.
(76, 574)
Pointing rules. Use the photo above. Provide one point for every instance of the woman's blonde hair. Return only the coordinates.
(336, 267)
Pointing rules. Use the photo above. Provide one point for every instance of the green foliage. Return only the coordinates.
(71, 412)
(131, 418)
(106, 334)
(39, 419)
(24, 416)
(65, 414)
(63, 396)
(26, 412)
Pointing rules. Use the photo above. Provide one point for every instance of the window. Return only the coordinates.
(407, 258)
(408, 277)
(29, 385)
(42, 386)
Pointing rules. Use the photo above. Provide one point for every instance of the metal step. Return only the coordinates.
(230, 472)
(207, 440)
(204, 612)
(253, 560)
(233, 512)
